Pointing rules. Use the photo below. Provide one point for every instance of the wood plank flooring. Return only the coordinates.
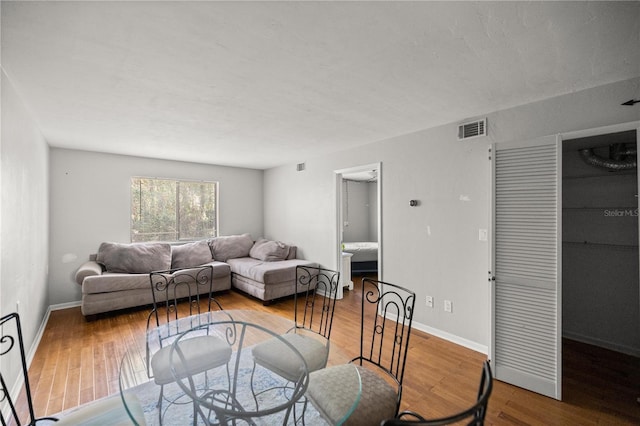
(77, 362)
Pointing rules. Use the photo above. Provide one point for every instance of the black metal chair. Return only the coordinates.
(312, 330)
(474, 415)
(13, 360)
(180, 298)
(109, 410)
(385, 328)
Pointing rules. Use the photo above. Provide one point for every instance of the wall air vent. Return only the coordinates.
(472, 129)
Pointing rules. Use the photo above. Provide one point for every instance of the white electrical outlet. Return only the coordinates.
(448, 306)
(430, 301)
(18, 306)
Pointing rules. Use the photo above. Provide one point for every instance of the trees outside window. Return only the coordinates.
(173, 210)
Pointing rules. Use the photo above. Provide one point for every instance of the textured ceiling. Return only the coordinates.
(260, 84)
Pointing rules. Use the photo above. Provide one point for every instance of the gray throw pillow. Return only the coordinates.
(293, 252)
(231, 247)
(269, 251)
(190, 254)
(135, 258)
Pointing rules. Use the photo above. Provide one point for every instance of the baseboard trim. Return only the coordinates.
(65, 305)
(38, 337)
(469, 344)
(628, 350)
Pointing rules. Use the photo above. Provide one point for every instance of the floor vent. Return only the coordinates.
(472, 129)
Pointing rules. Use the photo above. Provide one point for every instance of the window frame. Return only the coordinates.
(216, 199)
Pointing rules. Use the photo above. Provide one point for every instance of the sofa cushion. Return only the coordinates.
(269, 251)
(135, 258)
(115, 281)
(190, 254)
(230, 247)
(267, 272)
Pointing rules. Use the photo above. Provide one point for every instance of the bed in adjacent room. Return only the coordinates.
(365, 256)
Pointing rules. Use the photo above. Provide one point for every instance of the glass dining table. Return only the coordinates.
(237, 391)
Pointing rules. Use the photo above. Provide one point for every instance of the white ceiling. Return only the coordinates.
(260, 84)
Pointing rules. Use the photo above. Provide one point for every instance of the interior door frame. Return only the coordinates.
(615, 128)
(340, 220)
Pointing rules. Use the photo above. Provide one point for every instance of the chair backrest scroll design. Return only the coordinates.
(385, 327)
(172, 286)
(320, 290)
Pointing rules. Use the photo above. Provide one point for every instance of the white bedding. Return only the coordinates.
(362, 251)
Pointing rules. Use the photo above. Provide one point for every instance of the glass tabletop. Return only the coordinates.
(230, 385)
(237, 387)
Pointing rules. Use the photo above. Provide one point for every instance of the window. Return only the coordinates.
(173, 210)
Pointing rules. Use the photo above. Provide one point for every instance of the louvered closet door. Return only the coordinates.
(526, 340)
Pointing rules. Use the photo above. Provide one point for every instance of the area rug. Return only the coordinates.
(181, 411)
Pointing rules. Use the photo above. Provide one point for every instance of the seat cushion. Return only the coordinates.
(201, 353)
(332, 395)
(267, 272)
(275, 356)
(110, 282)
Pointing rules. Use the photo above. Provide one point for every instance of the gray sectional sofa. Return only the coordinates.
(117, 277)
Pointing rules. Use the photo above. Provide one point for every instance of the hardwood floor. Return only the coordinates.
(77, 362)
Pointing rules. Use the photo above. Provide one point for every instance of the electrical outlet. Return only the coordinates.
(18, 306)
(448, 306)
(430, 301)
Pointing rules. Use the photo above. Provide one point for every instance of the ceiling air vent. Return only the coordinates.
(472, 129)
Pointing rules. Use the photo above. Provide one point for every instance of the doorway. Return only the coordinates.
(600, 259)
(600, 241)
(359, 222)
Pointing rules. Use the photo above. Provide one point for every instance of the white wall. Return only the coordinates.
(434, 248)
(90, 203)
(24, 216)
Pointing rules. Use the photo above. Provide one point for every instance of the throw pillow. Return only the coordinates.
(231, 247)
(190, 254)
(293, 252)
(269, 251)
(135, 258)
